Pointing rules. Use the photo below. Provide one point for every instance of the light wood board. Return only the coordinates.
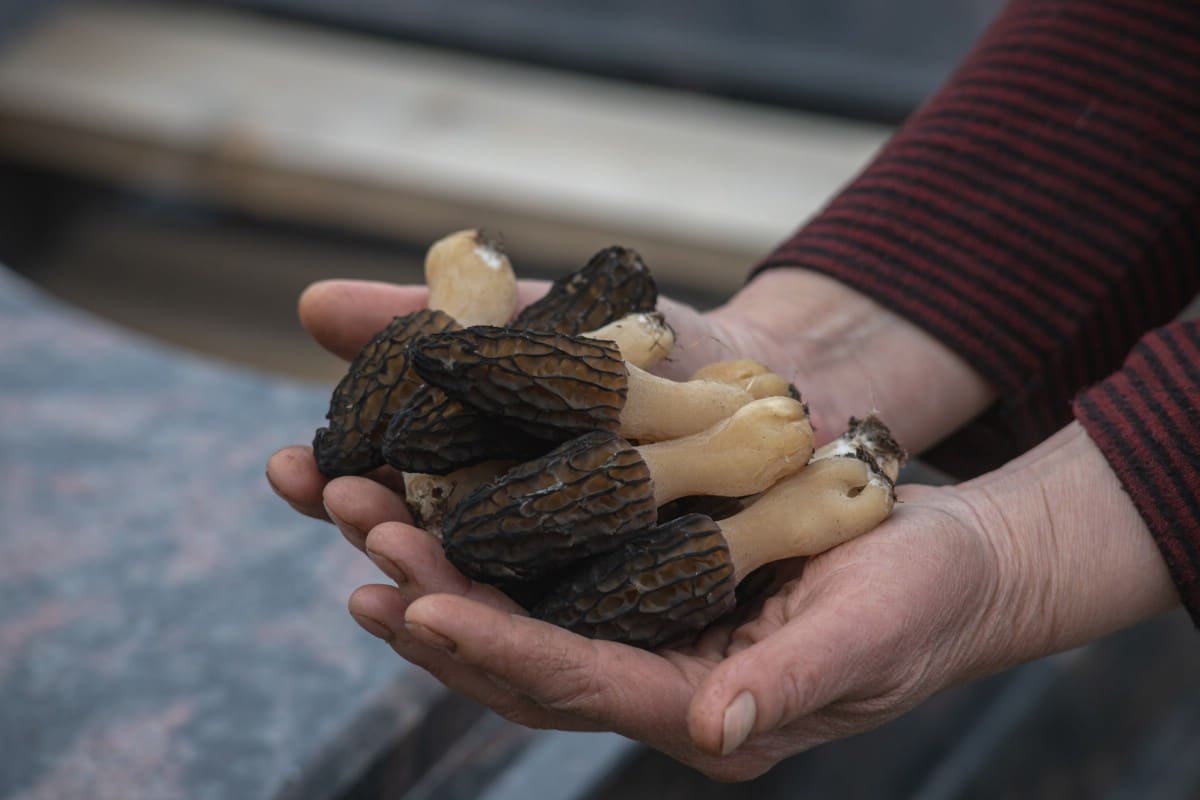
(300, 123)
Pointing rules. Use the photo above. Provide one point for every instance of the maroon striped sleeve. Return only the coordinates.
(1146, 421)
(1039, 213)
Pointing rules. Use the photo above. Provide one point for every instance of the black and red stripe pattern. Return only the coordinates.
(1041, 211)
(1146, 421)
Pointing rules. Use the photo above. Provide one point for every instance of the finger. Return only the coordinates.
(380, 612)
(414, 559)
(620, 688)
(341, 315)
(796, 671)
(528, 291)
(356, 505)
(293, 474)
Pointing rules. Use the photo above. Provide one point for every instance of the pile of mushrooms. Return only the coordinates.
(553, 465)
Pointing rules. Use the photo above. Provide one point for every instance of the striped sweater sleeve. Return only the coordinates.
(1039, 213)
(1146, 420)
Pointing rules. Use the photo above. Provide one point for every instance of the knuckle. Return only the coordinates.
(578, 685)
(797, 692)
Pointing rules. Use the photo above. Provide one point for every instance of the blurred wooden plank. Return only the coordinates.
(303, 124)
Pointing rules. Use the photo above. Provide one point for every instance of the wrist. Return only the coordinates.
(849, 355)
(1076, 559)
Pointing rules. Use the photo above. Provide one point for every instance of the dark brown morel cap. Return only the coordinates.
(584, 497)
(436, 434)
(711, 506)
(613, 283)
(661, 587)
(379, 381)
(551, 385)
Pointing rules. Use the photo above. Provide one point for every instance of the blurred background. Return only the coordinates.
(171, 164)
(168, 628)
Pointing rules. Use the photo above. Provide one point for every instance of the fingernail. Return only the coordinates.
(389, 567)
(739, 722)
(373, 627)
(430, 637)
(349, 531)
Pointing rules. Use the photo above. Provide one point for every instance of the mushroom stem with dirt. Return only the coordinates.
(585, 496)
(679, 577)
(846, 490)
(551, 384)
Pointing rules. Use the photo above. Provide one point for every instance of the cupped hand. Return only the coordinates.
(851, 639)
(1042, 555)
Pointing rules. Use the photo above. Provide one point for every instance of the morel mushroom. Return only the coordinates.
(436, 433)
(587, 495)
(470, 281)
(679, 577)
(378, 383)
(615, 282)
(556, 386)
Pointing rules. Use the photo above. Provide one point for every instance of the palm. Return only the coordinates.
(832, 387)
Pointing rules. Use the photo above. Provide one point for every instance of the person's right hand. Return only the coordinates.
(847, 355)
(1039, 556)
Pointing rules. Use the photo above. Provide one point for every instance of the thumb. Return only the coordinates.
(793, 672)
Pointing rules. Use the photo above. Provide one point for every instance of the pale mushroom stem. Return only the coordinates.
(837, 497)
(471, 279)
(742, 455)
(644, 339)
(658, 408)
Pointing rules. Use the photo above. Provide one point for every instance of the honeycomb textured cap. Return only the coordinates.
(660, 587)
(584, 497)
(437, 434)
(615, 282)
(377, 384)
(550, 385)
